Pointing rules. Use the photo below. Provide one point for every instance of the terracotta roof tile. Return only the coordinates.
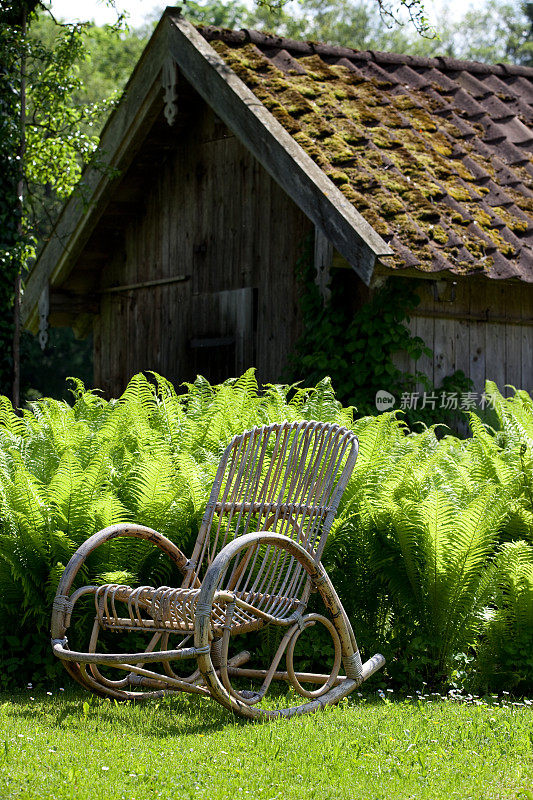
(515, 156)
(477, 88)
(387, 76)
(496, 108)
(433, 152)
(511, 69)
(492, 133)
(287, 63)
(408, 257)
(517, 132)
(409, 76)
(441, 81)
(522, 88)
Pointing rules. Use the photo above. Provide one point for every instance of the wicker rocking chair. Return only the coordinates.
(255, 562)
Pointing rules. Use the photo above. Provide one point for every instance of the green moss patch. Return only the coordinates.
(514, 224)
(338, 177)
(317, 69)
(438, 234)
(459, 193)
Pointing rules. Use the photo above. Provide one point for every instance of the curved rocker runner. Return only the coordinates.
(256, 560)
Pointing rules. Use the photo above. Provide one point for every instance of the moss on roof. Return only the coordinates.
(397, 153)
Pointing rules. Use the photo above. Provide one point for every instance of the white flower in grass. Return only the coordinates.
(105, 769)
(49, 694)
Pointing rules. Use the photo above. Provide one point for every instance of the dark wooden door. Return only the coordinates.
(221, 342)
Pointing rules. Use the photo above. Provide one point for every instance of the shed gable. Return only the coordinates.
(201, 278)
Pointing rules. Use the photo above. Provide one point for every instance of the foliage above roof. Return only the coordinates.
(435, 153)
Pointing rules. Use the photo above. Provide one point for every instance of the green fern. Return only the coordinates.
(505, 657)
(423, 552)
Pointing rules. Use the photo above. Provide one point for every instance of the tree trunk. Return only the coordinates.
(20, 193)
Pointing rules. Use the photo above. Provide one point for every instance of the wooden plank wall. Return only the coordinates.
(482, 327)
(214, 215)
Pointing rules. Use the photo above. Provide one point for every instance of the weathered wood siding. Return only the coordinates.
(215, 216)
(484, 328)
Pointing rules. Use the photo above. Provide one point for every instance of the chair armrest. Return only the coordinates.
(60, 616)
(355, 670)
(220, 563)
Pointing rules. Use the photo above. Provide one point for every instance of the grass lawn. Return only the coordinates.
(69, 745)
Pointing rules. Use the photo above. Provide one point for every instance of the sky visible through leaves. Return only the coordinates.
(141, 10)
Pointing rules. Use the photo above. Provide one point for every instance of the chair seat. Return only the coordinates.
(169, 609)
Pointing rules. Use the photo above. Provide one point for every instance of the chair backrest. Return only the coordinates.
(286, 477)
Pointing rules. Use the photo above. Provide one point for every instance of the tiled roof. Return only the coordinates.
(435, 153)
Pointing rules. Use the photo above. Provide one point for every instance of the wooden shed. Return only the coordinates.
(229, 148)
